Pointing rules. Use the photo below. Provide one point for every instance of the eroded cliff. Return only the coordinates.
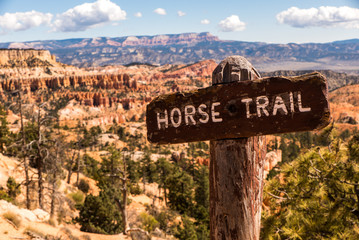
(10, 58)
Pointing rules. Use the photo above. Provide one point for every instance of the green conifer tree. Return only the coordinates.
(187, 232)
(180, 185)
(4, 129)
(316, 196)
(101, 214)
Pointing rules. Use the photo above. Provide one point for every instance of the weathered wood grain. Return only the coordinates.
(236, 171)
(240, 109)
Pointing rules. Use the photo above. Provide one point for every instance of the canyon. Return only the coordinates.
(115, 88)
(117, 95)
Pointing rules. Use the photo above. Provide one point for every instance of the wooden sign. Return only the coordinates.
(240, 109)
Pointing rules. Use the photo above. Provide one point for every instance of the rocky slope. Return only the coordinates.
(203, 68)
(345, 105)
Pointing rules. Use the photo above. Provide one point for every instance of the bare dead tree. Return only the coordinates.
(40, 148)
(70, 155)
(24, 150)
(56, 160)
(78, 159)
(37, 155)
(55, 171)
(73, 159)
(20, 147)
(121, 174)
(78, 162)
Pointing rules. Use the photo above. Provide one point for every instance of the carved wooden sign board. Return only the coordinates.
(240, 109)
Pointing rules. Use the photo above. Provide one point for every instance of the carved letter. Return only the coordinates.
(247, 101)
(291, 102)
(215, 114)
(162, 120)
(279, 104)
(262, 105)
(203, 113)
(174, 123)
(189, 112)
(302, 109)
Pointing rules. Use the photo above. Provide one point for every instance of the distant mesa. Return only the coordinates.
(188, 48)
(27, 58)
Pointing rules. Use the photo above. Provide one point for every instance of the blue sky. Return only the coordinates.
(276, 21)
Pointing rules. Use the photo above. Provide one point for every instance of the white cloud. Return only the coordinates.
(160, 11)
(87, 15)
(231, 24)
(324, 16)
(138, 14)
(205, 21)
(181, 14)
(21, 21)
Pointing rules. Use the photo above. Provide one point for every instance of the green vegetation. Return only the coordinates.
(84, 186)
(149, 223)
(187, 232)
(99, 215)
(315, 195)
(13, 188)
(78, 197)
(311, 194)
(4, 130)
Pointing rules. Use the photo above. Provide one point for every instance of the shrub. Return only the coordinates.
(5, 196)
(86, 237)
(13, 218)
(68, 234)
(78, 197)
(187, 232)
(13, 188)
(164, 219)
(84, 186)
(135, 189)
(34, 232)
(52, 222)
(149, 223)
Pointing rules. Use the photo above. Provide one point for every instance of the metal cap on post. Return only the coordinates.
(236, 170)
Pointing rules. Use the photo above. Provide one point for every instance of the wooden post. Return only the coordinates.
(236, 170)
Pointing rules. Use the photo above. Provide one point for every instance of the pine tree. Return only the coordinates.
(180, 196)
(202, 189)
(105, 213)
(201, 210)
(353, 148)
(99, 215)
(4, 129)
(164, 169)
(148, 169)
(316, 196)
(188, 231)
